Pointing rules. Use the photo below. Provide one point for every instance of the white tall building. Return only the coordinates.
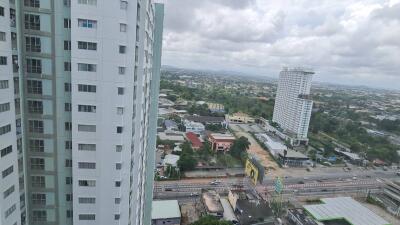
(293, 105)
(9, 177)
(86, 77)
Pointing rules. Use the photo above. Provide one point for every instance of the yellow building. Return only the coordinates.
(239, 117)
(254, 170)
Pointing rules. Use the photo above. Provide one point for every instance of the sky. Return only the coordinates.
(345, 41)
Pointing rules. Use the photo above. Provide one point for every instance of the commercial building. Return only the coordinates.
(221, 142)
(194, 127)
(166, 212)
(292, 158)
(215, 107)
(274, 146)
(293, 105)
(84, 73)
(344, 208)
(206, 119)
(239, 117)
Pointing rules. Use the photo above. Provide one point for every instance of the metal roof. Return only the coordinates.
(344, 208)
(165, 209)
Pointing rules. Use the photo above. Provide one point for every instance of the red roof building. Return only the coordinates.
(192, 137)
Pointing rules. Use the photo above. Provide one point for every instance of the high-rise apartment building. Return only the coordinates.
(84, 74)
(293, 105)
(10, 209)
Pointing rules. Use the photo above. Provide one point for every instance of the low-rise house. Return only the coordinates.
(206, 119)
(165, 212)
(194, 127)
(194, 140)
(239, 117)
(171, 160)
(175, 136)
(221, 142)
(171, 125)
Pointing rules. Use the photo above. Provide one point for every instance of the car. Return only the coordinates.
(194, 194)
(368, 176)
(168, 189)
(300, 182)
(354, 178)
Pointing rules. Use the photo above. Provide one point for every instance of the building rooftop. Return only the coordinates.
(219, 136)
(344, 208)
(206, 119)
(171, 135)
(212, 202)
(293, 154)
(165, 209)
(253, 212)
(192, 137)
(171, 159)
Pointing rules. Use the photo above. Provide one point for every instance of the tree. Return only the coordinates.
(210, 220)
(186, 161)
(239, 146)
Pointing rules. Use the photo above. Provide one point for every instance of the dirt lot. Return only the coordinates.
(256, 149)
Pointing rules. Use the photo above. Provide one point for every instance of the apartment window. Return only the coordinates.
(39, 216)
(86, 128)
(87, 183)
(87, 200)
(137, 33)
(68, 145)
(117, 200)
(87, 45)
(36, 145)
(5, 107)
(122, 49)
(5, 129)
(122, 27)
(35, 126)
(67, 45)
(32, 22)
(121, 70)
(117, 216)
(68, 180)
(118, 148)
(5, 151)
(120, 110)
(87, 147)
(38, 181)
(33, 65)
(33, 44)
(67, 3)
(37, 163)
(2, 36)
(119, 129)
(38, 199)
(87, 2)
(87, 67)
(10, 210)
(87, 217)
(118, 166)
(7, 171)
(67, 66)
(1, 11)
(68, 197)
(68, 163)
(86, 88)
(68, 126)
(87, 23)
(87, 108)
(69, 213)
(3, 60)
(136, 55)
(67, 87)
(8, 192)
(67, 107)
(120, 90)
(32, 3)
(67, 23)
(34, 87)
(138, 12)
(124, 4)
(117, 183)
(35, 107)
(3, 84)
(86, 165)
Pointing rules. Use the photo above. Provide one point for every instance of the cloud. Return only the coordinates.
(351, 42)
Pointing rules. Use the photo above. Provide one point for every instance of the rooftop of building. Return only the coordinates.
(165, 209)
(192, 137)
(344, 208)
(251, 212)
(212, 202)
(171, 135)
(170, 123)
(271, 142)
(302, 216)
(171, 159)
(293, 154)
(206, 119)
(219, 136)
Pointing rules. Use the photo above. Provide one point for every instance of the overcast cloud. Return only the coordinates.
(345, 41)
